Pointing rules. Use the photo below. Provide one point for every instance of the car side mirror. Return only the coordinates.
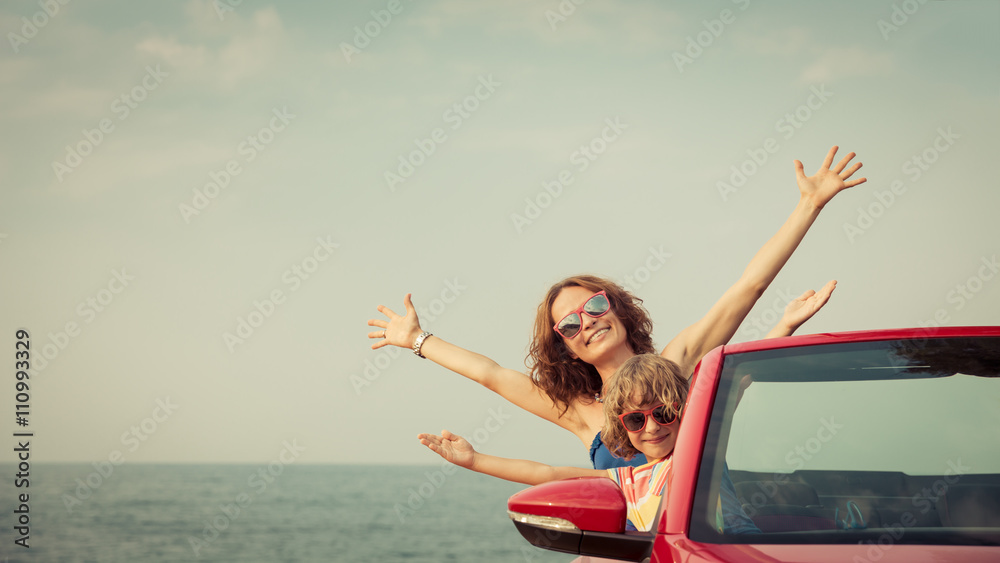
(584, 515)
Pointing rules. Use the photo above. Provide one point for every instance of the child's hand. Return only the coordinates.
(452, 447)
(745, 382)
(802, 308)
(820, 188)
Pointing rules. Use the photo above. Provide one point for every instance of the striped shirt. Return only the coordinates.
(643, 487)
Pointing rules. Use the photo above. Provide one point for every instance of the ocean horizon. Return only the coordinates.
(85, 512)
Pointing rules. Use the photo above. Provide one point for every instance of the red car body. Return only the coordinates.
(596, 509)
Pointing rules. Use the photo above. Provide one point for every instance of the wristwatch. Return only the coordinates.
(419, 342)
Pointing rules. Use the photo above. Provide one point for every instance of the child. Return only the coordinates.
(642, 403)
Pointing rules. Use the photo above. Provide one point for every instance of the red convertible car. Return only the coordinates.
(876, 446)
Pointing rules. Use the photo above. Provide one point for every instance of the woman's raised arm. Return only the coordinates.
(516, 387)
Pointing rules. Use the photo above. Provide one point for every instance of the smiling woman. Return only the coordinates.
(587, 327)
(566, 366)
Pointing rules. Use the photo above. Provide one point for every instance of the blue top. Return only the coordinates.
(602, 458)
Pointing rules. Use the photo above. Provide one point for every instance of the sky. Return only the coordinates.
(204, 202)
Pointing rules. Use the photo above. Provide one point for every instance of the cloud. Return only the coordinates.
(251, 50)
(181, 111)
(822, 62)
(638, 27)
(151, 160)
(838, 63)
(784, 42)
(254, 51)
(174, 53)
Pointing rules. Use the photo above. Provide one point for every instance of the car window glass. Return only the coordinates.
(854, 439)
(909, 425)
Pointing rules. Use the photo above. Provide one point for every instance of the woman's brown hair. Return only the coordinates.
(565, 378)
(649, 377)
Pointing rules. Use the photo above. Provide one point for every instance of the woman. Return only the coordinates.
(574, 350)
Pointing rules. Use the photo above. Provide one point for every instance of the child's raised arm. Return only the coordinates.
(725, 316)
(459, 451)
(801, 309)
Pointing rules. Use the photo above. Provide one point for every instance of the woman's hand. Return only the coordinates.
(452, 447)
(820, 188)
(398, 331)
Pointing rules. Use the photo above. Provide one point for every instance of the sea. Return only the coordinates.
(259, 513)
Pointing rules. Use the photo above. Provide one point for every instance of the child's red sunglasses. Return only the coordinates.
(634, 421)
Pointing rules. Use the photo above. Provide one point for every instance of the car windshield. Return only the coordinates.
(859, 441)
